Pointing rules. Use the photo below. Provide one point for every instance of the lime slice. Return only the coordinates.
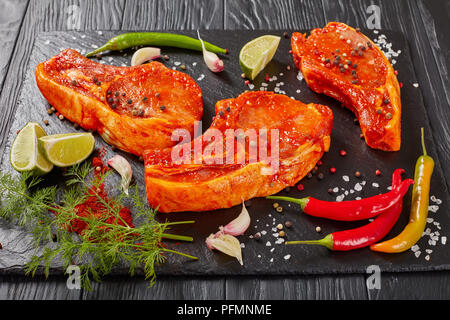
(67, 149)
(25, 154)
(256, 54)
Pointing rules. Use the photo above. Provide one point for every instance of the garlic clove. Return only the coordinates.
(122, 166)
(225, 243)
(212, 61)
(239, 225)
(145, 54)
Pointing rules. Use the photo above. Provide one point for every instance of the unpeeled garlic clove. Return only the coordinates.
(123, 167)
(211, 59)
(225, 243)
(239, 225)
(145, 54)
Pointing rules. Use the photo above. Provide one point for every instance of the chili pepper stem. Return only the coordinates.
(326, 242)
(423, 141)
(302, 201)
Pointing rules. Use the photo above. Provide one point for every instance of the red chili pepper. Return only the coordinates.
(351, 210)
(367, 234)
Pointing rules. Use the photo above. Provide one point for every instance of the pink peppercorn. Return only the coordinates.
(300, 187)
(378, 172)
(247, 82)
(319, 163)
(342, 153)
(332, 170)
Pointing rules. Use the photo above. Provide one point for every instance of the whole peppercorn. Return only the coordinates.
(318, 229)
(276, 205)
(282, 233)
(257, 236)
(320, 176)
(279, 209)
(288, 224)
(330, 191)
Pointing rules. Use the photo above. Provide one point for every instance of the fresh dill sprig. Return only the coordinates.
(102, 245)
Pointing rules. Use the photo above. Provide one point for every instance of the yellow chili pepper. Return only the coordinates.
(419, 208)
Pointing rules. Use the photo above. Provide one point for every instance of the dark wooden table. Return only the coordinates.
(424, 23)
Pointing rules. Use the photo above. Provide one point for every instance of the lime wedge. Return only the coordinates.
(256, 54)
(67, 149)
(25, 154)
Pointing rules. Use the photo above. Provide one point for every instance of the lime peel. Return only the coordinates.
(25, 154)
(257, 53)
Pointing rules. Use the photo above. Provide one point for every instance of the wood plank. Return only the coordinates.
(38, 288)
(326, 287)
(173, 15)
(11, 17)
(273, 14)
(165, 288)
(417, 286)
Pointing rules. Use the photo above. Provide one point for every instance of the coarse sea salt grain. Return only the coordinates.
(358, 198)
(335, 189)
(263, 232)
(242, 245)
(279, 241)
(435, 200)
(177, 63)
(443, 239)
(299, 76)
(251, 86)
(298, 91)
(287, 257)
(47, 42)
(416, 85)
(271, 260)
(375, 185)
(417, 254)
(346, 178)
(340, 197)
(268, 244)
(271, 250)
(357, 187)
(201, 77)
(414, 248)
(194, 63)
(433, 209)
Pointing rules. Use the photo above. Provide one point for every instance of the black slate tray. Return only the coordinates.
(259, 258)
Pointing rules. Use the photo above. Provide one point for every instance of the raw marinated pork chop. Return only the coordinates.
(342, 63)
(220, 176)
(133, 108)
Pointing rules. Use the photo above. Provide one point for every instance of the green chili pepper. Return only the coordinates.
(134, 39)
